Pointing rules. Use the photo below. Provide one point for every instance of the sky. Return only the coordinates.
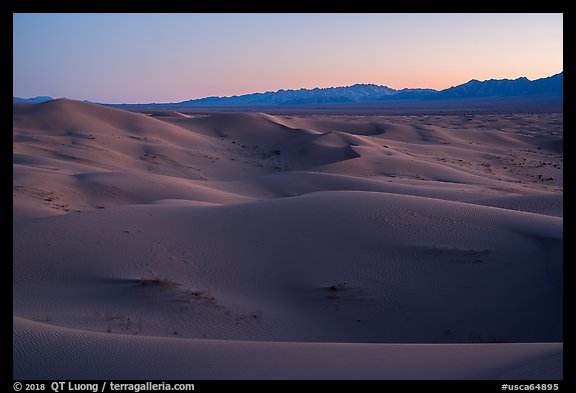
(143, 58)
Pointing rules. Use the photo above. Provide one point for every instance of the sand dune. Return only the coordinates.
(350, 247)
(93, 355)
(383, 266)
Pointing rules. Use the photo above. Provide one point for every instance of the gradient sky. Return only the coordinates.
(137, 58)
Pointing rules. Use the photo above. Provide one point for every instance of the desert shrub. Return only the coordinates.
(163, 282)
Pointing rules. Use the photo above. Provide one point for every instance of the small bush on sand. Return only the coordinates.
(163, 282)
(334, 289)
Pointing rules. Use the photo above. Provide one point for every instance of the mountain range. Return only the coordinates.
(16, 100)
(364, 93)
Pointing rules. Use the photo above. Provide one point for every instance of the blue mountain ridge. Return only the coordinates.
(363, 93)
(358, 93)
(31, 100)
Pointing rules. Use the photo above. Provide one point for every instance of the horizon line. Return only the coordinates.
(284, 89)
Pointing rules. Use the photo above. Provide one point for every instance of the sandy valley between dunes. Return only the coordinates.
(173, 245)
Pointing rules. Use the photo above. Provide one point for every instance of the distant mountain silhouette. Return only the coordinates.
(355, 93)
(505, 87)
(551, 86)
(31, 100)
(364, 93)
